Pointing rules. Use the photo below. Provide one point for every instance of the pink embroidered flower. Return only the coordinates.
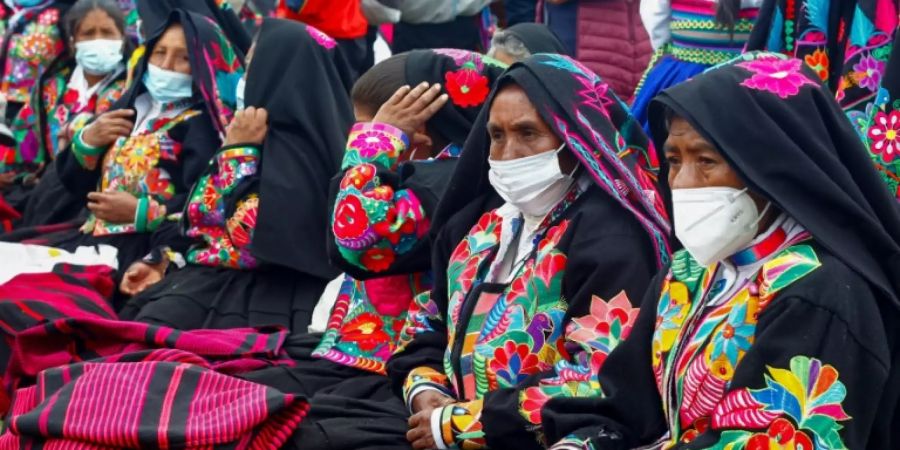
(885, 135)
(323, 39)
(372, 143)
(781, 77)
(868, 72)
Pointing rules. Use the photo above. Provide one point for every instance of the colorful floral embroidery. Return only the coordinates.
(799, 408)
(372, 222)
(423, 313)
(781, 77)
(461, 426)
(30, 51)
(367, 319)
(424, 378)
(226, 241)
(467, 87)
(885, 135)
(818, 61)
(868, 73)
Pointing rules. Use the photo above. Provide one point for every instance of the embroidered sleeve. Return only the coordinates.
(459, 425)
(588, 341)
(148, 215)
(423, 314)
(573, 443)
(423, 379)
(374, 221)
(86, 155)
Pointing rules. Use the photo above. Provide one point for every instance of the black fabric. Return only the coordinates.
(50, 202)
(520, 11)
(154, 15)
(453, 122)
(199, 297)
(851, 336)
(462, 33)
(304, 87)
(538, 38)
(801, 153)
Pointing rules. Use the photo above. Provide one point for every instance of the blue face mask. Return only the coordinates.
(239, 93)
(28, 3)
(166, 86)
(100, 56)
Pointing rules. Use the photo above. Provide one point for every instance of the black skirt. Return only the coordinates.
(199, 297)
(350, 409)
(50, 202)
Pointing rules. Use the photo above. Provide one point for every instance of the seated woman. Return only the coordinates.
(81, 83)
(32, 40)
(554, 229)
(777, 325)
(258, 214)
(140, 158)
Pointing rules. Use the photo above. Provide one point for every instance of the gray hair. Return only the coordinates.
(509, 44)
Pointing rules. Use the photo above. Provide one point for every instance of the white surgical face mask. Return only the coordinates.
(166, 86)
(533, 184)
(98, 57)
(239, 93)
(714, 223)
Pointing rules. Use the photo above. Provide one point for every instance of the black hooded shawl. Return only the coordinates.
(813, 166)
(538, 38)
(303, 85)
(154, 15)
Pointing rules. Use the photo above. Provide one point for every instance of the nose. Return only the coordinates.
(504, 151)
(169, 61)
(685, 177)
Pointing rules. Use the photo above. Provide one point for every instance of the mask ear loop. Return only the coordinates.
(731, 199)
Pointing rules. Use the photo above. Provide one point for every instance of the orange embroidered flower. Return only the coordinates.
(818, 61)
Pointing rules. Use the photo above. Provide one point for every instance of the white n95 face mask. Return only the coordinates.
(533, 184)
(99, 56)
(714, 223)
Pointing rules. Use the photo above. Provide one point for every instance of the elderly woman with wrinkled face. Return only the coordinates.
(548, 226)
(775, 326)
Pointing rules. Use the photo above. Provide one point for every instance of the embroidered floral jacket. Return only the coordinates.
(157, 164)
(380, 226)
(503, 350)
(35, 41)
(796, 357)
(38, 124)
(222, 208)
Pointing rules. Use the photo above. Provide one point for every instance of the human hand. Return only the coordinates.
(108, 127)
(409, 108)
(141, 275)
(113, 207)
(249, 126)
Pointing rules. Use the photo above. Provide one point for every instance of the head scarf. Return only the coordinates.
(215, 67)
(790, 142)
(298, 76)
(597, 128)
(537, 38)
(884, 118)
(467, 78)
(155, 13)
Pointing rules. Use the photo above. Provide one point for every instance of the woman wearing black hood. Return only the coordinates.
(777, 326)
(258, 214)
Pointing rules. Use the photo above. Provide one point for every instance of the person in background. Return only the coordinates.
(428, 24)
(520, 11)
(778, 325)
(343, 20)
(136, 163)
(520, 41)
(258, 214)
(83, 82)
(605, 35)
(690, 36)
(551, 222)
(33, 39)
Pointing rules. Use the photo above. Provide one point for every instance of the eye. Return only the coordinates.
(673, 160)
(706, 161)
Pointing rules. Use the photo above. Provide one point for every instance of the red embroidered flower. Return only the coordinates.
(70, 97)
(378, 259)
(350, 220)
(885, 135)
(366, 331)
(818, 61)
(467, 87)
(514, 362)
(783, 435)
(358, 176)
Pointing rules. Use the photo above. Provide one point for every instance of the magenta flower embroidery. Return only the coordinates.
(371, 143)
(868, 72)
(885, 135)
(323, 39)
(781, 77)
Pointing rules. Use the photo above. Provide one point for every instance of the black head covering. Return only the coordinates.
(155, 13)
(215, 66)
(458, 71)
(789, 140)
(298, 76)
(597, 128)
(538, 38)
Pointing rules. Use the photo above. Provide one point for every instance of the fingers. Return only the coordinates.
(119, 113)
(96, 196)
(432, 108)
(399, 95)
(262, 115)
(416, 434)
(415, 94)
